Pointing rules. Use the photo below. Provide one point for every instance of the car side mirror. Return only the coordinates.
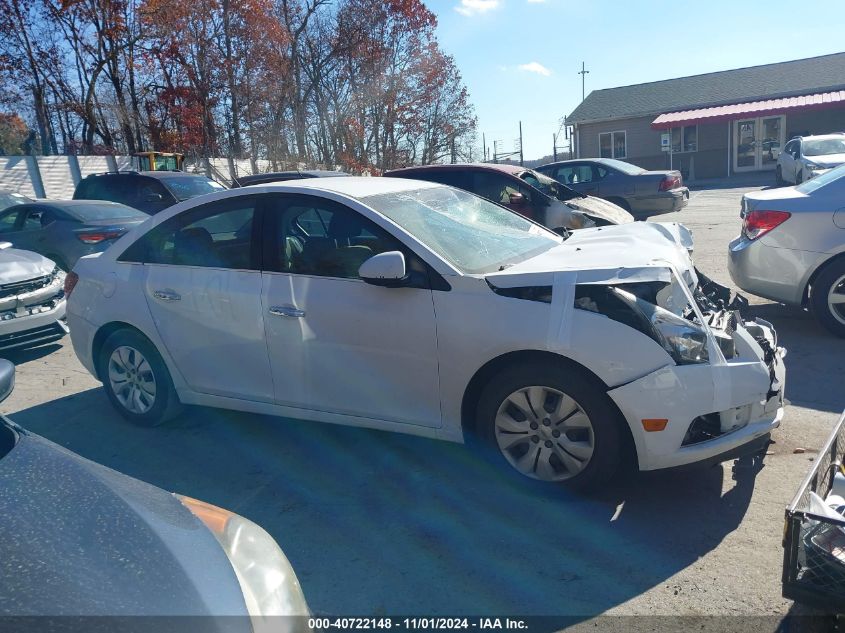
(7, 378)
(385, 269)
(517, 199)
(153, 197)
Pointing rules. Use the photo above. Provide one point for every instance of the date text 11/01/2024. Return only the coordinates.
(416, 623)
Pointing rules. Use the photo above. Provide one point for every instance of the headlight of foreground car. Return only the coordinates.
(268, 582)
(685, 341)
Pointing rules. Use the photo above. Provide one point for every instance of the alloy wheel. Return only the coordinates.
(132, 380)
(836, 299)
(544, 433)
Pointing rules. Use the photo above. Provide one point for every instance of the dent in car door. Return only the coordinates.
(336, 343)
(203, 289)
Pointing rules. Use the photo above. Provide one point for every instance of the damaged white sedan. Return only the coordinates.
(415, 307)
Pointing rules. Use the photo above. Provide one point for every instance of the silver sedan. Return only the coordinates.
(792, 247)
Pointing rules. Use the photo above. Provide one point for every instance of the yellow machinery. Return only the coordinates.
(159, 161)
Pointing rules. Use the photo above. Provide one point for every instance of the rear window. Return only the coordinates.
(186, 187)
(625, 168)
(93, 212)
(11, 199)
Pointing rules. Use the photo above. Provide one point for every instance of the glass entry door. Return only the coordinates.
(757, 143)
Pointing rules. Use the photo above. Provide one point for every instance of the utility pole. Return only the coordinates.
(495, 152)
(554, 147)
(520, 143)
(583, 74)
(484, 147)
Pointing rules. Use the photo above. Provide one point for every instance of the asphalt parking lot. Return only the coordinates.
(377, 523)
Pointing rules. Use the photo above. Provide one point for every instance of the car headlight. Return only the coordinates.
(685, 341)
(267, 580)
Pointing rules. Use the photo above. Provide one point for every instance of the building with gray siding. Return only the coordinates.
(718, 124)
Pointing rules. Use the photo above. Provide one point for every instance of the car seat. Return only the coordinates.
(195, 247)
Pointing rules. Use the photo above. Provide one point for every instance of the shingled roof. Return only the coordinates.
(802, 76)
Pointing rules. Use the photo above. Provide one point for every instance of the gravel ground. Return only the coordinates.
(378, 523)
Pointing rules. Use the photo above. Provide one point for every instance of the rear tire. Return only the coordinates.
(827, 297)
(552, 422)
(136, 379)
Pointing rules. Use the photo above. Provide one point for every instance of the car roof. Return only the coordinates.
(502, 167)
(67, 204)
(352, 186)
(161, 175)
(289, 175)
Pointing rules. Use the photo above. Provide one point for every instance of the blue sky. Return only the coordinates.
(520, 58)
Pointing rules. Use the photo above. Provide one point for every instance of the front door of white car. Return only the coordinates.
(203, 288)
(338, 344)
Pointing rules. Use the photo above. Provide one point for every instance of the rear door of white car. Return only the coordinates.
(336, 343)
(203, 287)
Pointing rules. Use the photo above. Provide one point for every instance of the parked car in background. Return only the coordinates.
(804, 157)
(11, 198)
(149, 191)
(79, 539)
(640, 192)
(282, 176)
(65, 230)
(792, 247)
(527, 192)
(32, 299)
(415, 307)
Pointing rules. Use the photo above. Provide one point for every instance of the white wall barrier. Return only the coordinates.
(56, 177)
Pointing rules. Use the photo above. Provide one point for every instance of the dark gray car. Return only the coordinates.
(283, 176)
(65, 230)
(79, 539)
(640, 192)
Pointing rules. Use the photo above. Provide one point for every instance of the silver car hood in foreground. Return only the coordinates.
(77, 538)
(622, 252)
(20, 265)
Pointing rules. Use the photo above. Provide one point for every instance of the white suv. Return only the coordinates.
(806, 156)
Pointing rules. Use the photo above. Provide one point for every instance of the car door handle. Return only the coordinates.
(167, 295)
(287, 311)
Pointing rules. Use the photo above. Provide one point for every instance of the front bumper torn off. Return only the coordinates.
(712, 409)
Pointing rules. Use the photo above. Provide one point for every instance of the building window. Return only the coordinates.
(685, 139)
(613, 145)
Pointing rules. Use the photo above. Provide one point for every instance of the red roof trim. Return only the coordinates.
(816, 101)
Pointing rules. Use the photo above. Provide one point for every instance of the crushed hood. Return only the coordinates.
(19, 265)
(598, 208)
(638, 251)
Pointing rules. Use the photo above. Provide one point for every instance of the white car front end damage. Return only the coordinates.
(717, 386)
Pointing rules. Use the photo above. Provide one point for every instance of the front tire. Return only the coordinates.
(799, 177)
(827, 297)
(779, 177)
(136, 379)
(552, 422)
